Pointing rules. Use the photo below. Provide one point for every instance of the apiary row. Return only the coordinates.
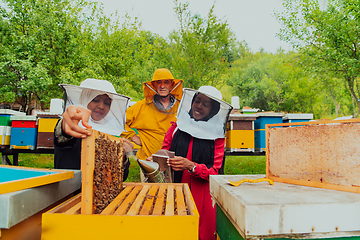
(246, 132)
(20, 131)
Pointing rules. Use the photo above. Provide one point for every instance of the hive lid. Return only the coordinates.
(285, 210)
(269, 114)
(18, 178)
(48, 115)
(298, 116)
(11, 112)
(23, 118)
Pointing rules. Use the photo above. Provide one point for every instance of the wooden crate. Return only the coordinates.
(323, 154)
(140, 211)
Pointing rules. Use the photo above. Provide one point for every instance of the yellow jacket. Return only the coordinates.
(150, 122)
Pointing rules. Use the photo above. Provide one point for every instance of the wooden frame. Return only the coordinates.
(88, 167)
(323, 154)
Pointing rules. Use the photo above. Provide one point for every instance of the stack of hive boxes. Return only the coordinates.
(240, 133)
(23, 132)
(46, 125)
(5, 126)
(263, 118)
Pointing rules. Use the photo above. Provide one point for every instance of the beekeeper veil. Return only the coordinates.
(191, 118)
(113, 123)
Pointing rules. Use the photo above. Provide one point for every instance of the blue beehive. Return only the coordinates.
(23, 132)
(262, 119)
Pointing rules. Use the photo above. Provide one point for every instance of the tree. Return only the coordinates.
(117, 52)
(329, 36)
(42, 39)
(272, 82)
(200, 48)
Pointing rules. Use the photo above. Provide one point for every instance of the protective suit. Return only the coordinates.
(150, 122)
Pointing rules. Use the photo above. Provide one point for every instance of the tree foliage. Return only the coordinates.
(328, 35)
(272, 83)
(201, 48)
(45, 43)
(38, 40)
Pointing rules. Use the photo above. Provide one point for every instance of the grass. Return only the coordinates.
(234, 165)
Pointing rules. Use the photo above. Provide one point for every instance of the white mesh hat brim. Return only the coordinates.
(212, 129)
(114, 122)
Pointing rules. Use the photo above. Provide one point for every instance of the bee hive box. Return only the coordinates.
(140, 211)
(323, 154)
(107, 208)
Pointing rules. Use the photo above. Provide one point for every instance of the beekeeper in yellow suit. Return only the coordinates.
(151, 116)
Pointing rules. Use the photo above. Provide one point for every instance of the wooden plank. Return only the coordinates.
(128, 201)
(267, 151)
(180, 201)
(169, 210)
(87, 171)
(135, 207)
(74, 210)
(190, 201)
(322, 154)
(117, 201)
(160, 200)
(149, 200)
(63, 207)
(97, 226)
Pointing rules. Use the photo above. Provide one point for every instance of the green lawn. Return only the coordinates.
(233, 164)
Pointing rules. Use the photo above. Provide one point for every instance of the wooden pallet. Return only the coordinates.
(324, 154)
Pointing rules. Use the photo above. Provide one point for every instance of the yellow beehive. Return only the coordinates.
(46, 125)
(140, 211)
(240, 133)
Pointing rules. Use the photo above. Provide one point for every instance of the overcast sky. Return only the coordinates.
(250, 20)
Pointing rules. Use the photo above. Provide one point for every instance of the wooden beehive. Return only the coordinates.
(323, 154)
(46, 125)
(140, 211)
(107, 208)
(23, 132)
(240, 133)
(102, 171)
